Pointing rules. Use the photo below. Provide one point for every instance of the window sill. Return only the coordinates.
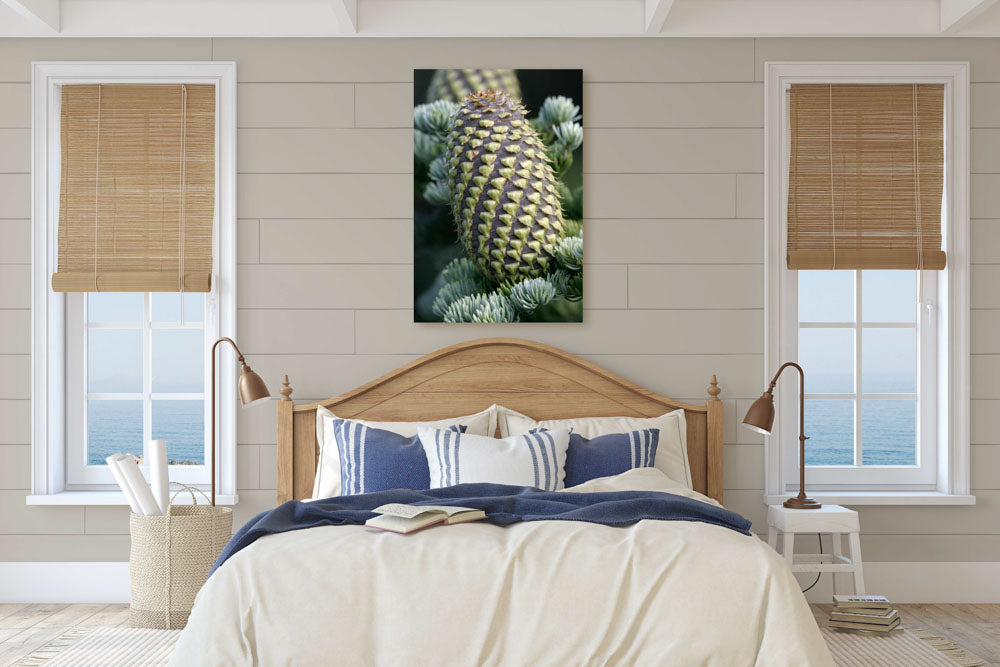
(881, 498)
(112, 498)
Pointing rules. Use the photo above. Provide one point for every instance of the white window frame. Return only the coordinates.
(49, 309)
(83, 477)
(949, 302)
(919, 477)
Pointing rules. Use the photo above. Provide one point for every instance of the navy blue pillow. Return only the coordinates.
(609, 454)
(373, 459)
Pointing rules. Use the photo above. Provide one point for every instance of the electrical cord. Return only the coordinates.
(819, 537)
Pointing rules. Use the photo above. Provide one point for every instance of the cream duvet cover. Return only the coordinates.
(539, 593)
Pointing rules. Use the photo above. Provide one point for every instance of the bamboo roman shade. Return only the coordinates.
(866, 176)
(137, 195)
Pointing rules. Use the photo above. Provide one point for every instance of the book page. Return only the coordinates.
(406, 511)
(450, 511)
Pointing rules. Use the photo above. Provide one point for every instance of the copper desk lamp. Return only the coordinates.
(252, 390)
(760, 418)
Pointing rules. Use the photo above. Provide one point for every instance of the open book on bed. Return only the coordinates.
(402, 518)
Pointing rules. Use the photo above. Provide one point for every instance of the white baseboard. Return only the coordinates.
(957, 582)
(63, 582)
(969, 582)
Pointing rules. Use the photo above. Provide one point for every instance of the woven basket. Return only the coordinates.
(170, 559)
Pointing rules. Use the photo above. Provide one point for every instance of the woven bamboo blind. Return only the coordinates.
(866, 176)
(137, 198)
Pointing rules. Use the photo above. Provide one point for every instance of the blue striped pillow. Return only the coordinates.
(372, 459)
(610, 454)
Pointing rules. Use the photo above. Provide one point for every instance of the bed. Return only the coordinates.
(546, 592)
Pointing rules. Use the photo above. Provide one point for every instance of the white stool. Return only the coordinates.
(832, 519)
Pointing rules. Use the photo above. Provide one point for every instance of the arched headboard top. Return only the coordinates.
(541, 381)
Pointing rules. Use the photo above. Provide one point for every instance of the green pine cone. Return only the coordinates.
(504, 198)
(455, 85)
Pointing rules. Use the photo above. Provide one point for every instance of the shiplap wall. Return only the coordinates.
(674, 291)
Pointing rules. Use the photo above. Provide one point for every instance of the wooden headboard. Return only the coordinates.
(542, 382)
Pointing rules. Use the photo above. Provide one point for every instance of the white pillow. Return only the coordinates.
(327, 482)
(671, 452)
(639, 479)
(535, 459)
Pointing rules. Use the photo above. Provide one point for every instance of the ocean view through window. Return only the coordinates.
(145, 374)
(858, 342)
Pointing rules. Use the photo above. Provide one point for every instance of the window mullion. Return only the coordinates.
(858, 388)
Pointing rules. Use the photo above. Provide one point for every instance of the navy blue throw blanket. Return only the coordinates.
(502, 503)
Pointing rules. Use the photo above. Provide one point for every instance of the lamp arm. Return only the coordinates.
(239, 355)
(802, 394)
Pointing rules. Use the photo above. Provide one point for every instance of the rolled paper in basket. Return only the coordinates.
(112, 462)
(147, 503)
(158, 474)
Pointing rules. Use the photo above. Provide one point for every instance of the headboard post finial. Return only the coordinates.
(286, 390)
(714, 390)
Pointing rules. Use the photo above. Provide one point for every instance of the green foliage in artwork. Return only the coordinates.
(531, 294)
(426, 147)
(434, 119)
(573, 227)
(436, 192)
(569, 253)
(568, 284)
(492, 307)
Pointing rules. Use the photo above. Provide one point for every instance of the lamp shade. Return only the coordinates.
(760, 416)
(252, 387)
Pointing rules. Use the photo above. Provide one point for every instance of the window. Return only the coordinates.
(861, 337)
(885, 352)
(112, 369)
(136, 363)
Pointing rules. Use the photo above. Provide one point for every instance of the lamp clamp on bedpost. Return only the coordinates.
(252, 390)
(760, 418)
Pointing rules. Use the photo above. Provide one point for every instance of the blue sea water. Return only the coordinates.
(116, 426)
(888, 432)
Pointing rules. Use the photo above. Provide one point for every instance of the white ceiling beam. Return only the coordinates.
(464, 18)
(347, 14)
(656, 15)
(45, 13)
(958, 14)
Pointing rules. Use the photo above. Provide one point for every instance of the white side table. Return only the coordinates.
(832, 519)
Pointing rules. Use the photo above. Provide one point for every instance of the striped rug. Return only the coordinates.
(915, 648)
(100, 647)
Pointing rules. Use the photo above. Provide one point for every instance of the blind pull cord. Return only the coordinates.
(180, 238)
(97, 188)
(833, 204)
(916, 184)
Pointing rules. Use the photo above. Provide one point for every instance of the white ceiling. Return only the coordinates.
(497, 18)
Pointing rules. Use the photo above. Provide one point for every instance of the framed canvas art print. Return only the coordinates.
(498, 195)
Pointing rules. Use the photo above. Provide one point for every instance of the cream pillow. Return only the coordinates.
(640, 479)
(534, 459)
(671, 452)
(327, 482)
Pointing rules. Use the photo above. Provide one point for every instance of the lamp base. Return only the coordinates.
(802, 504)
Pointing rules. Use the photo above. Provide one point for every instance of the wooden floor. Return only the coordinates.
(26, 627)
(974, 627)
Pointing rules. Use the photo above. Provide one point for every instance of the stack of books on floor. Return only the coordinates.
(864, 613)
